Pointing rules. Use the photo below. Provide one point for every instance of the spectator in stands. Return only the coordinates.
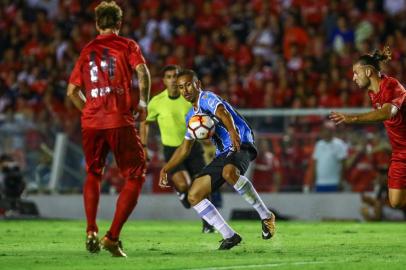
(32, 56)
(360, 171)
(267, 169)
(12, 183)
(329, 156)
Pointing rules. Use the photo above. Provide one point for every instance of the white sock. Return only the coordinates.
(244, 187)
(208, 212)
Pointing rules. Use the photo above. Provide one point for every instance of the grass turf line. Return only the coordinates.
(181, 245)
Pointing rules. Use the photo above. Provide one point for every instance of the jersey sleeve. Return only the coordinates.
(152, 111)
(342, 150)
(209, 102)
(76, 74)
(395, 94)
(316, 151)
(135, 56)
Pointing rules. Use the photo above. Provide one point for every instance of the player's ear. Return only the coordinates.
(368, 71)
(198, 84)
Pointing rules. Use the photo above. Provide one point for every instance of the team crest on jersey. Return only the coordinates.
(211, 102)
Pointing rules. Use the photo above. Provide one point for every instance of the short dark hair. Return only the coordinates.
(188, 72)
(375, 59)
(169, 68)
(108, 15)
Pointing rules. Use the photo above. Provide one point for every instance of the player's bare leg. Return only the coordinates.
(198, 193)
(245, 188)
(397, 198)
(181, 181)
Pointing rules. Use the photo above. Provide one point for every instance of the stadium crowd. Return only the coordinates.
(255, 54)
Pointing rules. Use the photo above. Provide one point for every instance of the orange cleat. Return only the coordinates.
(268, 227)
(114, 247)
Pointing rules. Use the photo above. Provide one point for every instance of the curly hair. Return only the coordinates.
(108, 15)
(377, 57)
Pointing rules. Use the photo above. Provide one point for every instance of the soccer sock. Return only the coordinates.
(91, 195)
(126, 202)
(208, 212)
(248, 192)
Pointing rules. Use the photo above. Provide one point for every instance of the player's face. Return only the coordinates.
(188, 87)
(170, 79)
(360, 76)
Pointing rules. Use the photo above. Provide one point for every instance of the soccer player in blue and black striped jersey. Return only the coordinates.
(235, 150)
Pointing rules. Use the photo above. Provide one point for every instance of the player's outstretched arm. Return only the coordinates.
(386, 112)
(180, 154)
(77, 97)
(144, 82)
(227, 120)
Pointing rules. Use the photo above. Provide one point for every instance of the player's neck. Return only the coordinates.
(195, 103)
(173, 94)
(374, 86)
(108, 31)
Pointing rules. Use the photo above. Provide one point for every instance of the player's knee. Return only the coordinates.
(133, 185)
(95, 171)
(181, 186)
(397, 203)
(230, 173)
(194, 198)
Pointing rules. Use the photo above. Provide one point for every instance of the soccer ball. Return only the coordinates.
(201, 127)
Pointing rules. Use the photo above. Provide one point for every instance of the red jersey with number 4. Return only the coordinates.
(104, 72)
(391, 91)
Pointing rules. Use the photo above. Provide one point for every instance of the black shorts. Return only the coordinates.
(241, 160)
(193, 164)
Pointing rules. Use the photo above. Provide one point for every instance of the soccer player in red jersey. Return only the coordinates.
(388, 99)
(103, 72)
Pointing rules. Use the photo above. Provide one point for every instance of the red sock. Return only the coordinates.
(91, 194)
(126, 203)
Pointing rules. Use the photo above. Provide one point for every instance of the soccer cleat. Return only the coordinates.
(268, 227)
(92, 242)
(114, 247)
(183, 199)
(230, 242)
(207, 228)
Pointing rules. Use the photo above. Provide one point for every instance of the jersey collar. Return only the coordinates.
(382, 83)
(105, 36)
(198, 103)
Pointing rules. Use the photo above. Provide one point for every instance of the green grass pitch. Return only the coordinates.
(56, 245)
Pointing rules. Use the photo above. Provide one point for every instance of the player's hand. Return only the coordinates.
(339, 118)
(140, 114)
(163, 179)
(236, 141)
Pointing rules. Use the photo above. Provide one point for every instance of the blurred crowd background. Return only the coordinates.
(254, 53)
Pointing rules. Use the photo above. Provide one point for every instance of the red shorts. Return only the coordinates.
(397, 172)
(124, 144)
